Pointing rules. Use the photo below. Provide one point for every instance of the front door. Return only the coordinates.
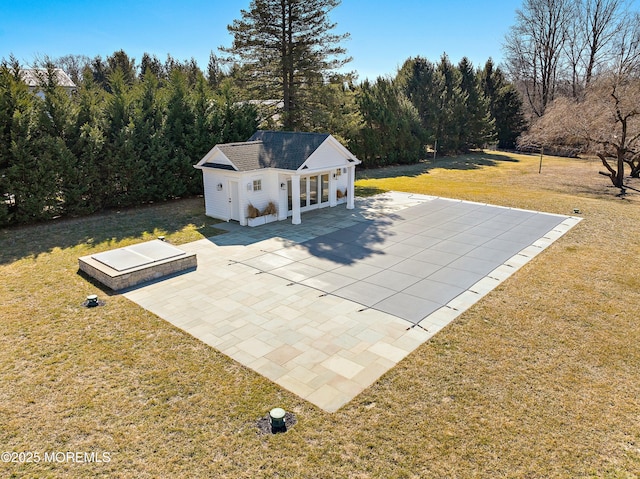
(234, 201)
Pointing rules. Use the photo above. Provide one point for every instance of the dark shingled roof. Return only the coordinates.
(273, 149)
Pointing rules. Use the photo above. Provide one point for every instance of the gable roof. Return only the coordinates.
(286, 150)
(35, 77)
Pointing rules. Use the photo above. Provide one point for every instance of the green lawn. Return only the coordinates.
(539, 379)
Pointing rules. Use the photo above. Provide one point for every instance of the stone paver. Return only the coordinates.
(301, 316)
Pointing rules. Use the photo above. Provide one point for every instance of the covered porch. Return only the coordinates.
(309, 190)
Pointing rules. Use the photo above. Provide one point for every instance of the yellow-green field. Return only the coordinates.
(539, 379)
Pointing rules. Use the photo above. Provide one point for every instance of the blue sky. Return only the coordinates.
(384, 33)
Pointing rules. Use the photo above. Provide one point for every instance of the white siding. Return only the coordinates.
(216, 201)
(327, 156)
(215, 156)
(283, 206)
(342, 180)
(330, 154)
(270, 190)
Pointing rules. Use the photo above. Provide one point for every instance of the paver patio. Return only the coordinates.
(326, 307)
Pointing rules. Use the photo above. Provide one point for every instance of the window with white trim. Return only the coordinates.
(257, 185)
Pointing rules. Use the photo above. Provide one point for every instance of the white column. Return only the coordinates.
(295, 198)
(351, 189)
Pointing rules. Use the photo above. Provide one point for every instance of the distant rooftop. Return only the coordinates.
(35, 77)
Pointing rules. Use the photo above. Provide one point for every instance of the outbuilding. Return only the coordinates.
(277, 174)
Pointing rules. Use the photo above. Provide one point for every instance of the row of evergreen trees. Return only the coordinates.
(449, 108)
(130, 135)
(121, 142)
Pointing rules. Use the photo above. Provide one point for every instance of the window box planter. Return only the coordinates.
(257, 221)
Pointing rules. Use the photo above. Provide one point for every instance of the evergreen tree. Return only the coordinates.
(30, 171)
(201, 136)
(57, 121)
(149, 149)
(391, 131)
(119, 168)
(283, 45)
(189, 69)
(336, 109)
(178, 127)
(151, 64)
(15, 101)
(32, 175)
(118, 141)
(417, 80)
(100, 72)
(450, 119)
(453, 111)
(476, 124)
(33, 155)
(120, 61)
(505, 105)
(89, 146)
(235, 121)
(214, 73)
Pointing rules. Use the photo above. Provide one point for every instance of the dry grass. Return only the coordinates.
(539, 379)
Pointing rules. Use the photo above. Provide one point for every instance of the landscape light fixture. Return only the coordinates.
(276, 416)
(92, 301)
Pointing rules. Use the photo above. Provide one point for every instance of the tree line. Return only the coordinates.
(447, 108)
(120, 140)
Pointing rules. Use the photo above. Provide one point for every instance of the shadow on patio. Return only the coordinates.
(335, 234)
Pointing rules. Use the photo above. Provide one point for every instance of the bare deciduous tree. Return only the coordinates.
(605, 123)
(557, 47)
(534, 49)
(601, 21)
(626, 48)
(592, 35)
(73, 65)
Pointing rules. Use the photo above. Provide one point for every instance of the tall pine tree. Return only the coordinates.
(283, 46)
